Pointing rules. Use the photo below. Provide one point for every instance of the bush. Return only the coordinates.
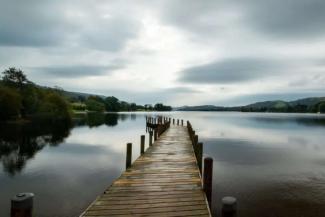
(93, 105)
(55, 106)
(10, 103)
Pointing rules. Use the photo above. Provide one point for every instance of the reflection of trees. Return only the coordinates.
(111, 119)
(308, 121)
(20, 142)
(123, 117)
(96, 119)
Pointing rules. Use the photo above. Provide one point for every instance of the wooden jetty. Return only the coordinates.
(164, 181)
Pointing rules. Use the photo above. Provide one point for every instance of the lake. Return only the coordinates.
(274, 164)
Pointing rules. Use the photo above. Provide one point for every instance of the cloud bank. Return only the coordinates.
(173, 51)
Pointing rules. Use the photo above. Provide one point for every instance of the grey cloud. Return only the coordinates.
(75, 71)
(195, 17)
(179, 90)
(31, 23)
(231, 71)
(47, 23)
(109, 34)
(289, 19)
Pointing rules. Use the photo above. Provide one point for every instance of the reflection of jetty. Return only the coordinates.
(164, 181)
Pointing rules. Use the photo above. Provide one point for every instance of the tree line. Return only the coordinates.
(20, 98)
(299, 108)
(111, 104)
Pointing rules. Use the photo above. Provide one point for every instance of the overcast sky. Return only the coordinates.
(179, 52)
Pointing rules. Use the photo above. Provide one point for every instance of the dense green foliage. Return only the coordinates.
(10, 103)
(94, 105)
(14, 77)
(55, 106)
(20, 98)
(162, 107)
(112, 104)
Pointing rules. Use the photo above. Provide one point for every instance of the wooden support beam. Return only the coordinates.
(22, 205)
(207, 178)
(229, 207)
(142, 143)
(155, 134)
(150, 138)
(128, 155)
(199, 155)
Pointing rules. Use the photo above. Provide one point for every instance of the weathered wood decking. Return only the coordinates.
(165, 181)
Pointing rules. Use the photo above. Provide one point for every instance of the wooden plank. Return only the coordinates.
(165, 181)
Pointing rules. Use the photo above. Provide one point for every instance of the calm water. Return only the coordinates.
(273, 163)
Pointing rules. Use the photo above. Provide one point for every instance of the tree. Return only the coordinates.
(10, 103)
(97, 98)
(148, 107)
(16, 77)
(94, 105)
(55, 106)
(124, 106)
(133, 107)
(162, 107)
(112, 104)
(32, 97)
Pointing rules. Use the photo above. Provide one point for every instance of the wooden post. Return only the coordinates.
(229, 207)
(195, 141)
(22, 205)
(199, 155)
(150, 138)
(192, 136)
(128, 155)
(155, 134)
(182, 122)
(177, 122)
(173, 121)
(142, 143)
(207, 178)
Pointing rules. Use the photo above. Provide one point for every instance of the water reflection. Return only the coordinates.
(20, 142)
(98, 119)
(273, 163)
(302, 119)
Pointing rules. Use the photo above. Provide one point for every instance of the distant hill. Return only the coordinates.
(307, 101)
(78, 94)
(207, 108)
(300, 105)
(200, 108)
